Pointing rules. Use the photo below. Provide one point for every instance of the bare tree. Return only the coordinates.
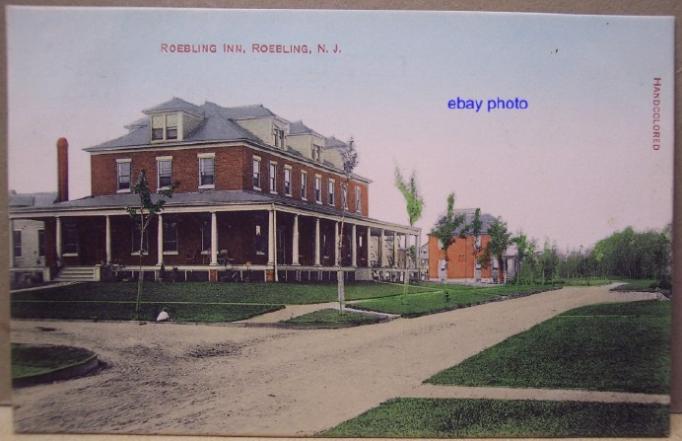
(349, 156)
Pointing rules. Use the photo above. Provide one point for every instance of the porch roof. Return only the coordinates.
(207, 199)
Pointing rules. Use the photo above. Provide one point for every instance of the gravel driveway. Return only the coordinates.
(232, 379)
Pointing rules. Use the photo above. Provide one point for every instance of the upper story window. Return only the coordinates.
(207, 170)
(318, 189)
(164, 167)
(123, 175)
(304, 185)
(358, 199)
(165, 127)
(279, 135)
(317, 153)
(256, 173)
(330, 190)
(344, 196)
(273, 177)
(287, 180)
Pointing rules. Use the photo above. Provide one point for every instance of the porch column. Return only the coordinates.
(159, 238)
(336, 244)
(271, 238)
(11, 243)
(395, 249)
(294, 244)
(58, 229)
(107, 233)
(417, 244)
(368, 242)
(382, 253)
(317, 241)
(214, 238)
(354, 247)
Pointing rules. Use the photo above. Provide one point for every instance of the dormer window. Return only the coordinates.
(317, 153)
(279, 137)
(165, 127)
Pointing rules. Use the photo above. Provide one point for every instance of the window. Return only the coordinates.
(207, 170)
(206, 236)
(41, 243)
(358, 199)
(278, 133)
(287, 181)
(165, 127)
(71, 244)
(317, 153)
(16, 238)
(164, 167)
(304, 185)
(260, 242)
(273, 177)
(135, 248)
(256, 173)
(172, 126)
(123, 175)
(330, 190)
(170, 236)
(318, 189)
(344, 196)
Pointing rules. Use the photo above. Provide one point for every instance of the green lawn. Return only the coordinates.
(586, 281)
(616, 347)
(30, 360)
(441, 418)
(91, 310)
(330, 318)
(642, 285)
(453, 296)
(202, 292)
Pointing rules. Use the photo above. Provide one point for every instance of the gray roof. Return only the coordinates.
(332, 143)
(298, 128)
(486, 219)
(240, 112)
(209, 197)
(173, 105)
(30, 200)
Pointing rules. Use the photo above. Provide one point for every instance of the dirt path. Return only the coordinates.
(231, 379)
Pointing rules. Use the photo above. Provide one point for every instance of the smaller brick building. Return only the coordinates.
(256, 197)
(461, 262)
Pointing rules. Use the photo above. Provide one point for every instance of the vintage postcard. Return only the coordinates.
(340, 223)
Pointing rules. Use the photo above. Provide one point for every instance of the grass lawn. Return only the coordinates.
(30, 360)
(330, 318)
(438, 418)
(641, 285)
(91, 310)
(615, 346)
(202, 292)
(586, 281)
(453, 296)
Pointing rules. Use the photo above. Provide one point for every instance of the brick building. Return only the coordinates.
(255, 197)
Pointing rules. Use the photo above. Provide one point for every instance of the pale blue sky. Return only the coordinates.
(574, 167)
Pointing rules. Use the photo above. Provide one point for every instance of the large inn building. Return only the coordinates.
(256, 197)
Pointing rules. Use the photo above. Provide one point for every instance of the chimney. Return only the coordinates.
(62, 170)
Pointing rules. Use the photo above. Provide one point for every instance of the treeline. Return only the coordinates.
(628, 253)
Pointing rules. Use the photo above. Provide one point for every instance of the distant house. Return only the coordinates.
(463, 262)
(27, 239)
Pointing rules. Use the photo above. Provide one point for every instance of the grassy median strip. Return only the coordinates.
(202, 292)
(331, 319)
(617, 347)
(179, 312)
(32, 360)
(438, 418)
(451, 297)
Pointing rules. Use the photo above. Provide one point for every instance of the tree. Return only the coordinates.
(500, 238)
(474, 229)
(141, 215)
(523, 248)
(349, 157)
(446, 227)
(414, 203)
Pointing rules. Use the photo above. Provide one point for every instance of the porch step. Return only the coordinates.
(76, 274)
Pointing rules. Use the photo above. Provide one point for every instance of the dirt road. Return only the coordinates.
(231, 379)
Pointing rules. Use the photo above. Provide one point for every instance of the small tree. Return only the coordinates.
(414, 203)
(474, 229)
(349, 157)
(142, 213)
(500, 239)
(522, 250)
(446, 227)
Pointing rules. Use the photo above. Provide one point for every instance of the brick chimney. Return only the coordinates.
(62, 170)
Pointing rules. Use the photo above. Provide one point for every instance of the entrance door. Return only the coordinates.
(283, 246)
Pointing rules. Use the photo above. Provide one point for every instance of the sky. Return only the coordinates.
(574, 166)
